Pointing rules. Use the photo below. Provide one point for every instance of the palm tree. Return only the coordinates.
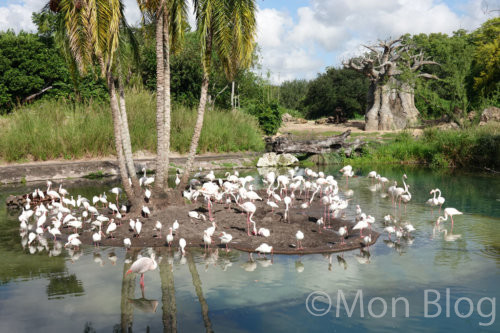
(170, 19)
(92, 31)
(227, 27)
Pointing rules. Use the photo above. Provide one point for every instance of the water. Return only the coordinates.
(87, 291)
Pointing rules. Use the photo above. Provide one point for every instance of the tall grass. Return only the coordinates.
(467, 148)
(58, 129)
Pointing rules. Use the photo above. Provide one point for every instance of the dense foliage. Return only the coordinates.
(268, 115)
(343, 88)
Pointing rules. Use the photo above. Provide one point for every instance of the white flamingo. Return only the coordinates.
(300, 236)
(142, 265)
(225, 239)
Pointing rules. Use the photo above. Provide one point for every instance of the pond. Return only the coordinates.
(395, 286)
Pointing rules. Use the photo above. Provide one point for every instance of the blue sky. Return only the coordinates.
(299, 38)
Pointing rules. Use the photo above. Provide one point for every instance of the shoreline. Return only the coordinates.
(108, 167)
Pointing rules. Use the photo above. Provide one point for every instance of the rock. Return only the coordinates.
(448, 126)
(273, 159)
(490, 114)
(286, 117)
(472, 115)
(300, 121)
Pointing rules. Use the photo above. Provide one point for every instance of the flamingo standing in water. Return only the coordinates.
(225, 239)
(141, 266)
(440, 199)
(342, 233)
(449, 212)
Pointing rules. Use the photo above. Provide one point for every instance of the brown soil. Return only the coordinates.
(232, 221)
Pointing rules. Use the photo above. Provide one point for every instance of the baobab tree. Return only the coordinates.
(391, 99)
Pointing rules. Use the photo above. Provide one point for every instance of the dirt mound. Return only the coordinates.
(233, 221)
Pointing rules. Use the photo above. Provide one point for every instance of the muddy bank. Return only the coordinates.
(57, 170)
(231, 220)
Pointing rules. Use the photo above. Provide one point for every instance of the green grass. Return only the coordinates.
(467, 148)
(56, 129)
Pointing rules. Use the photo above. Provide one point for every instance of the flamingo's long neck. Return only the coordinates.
(438, 190)
(404, 183)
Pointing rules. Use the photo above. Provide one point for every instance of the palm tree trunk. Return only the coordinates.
(117, 126)
(169, 316)
(160, 105)
(197, 131)
(167, 104)
(128, 290)
(232, 96)
(199, 292)
(127, 146)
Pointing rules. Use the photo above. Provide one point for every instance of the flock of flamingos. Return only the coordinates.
(54, 208)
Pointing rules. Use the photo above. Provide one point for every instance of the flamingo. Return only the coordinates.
(300, 236)
(320, 222)
(250, 209)
(362, 224)
(409, 228)
(175, 226)
(432, 201)
(264, 248)
(138, 227)
(158, 227)
(111, 228)
(440, 199)
(450, 212)
(177, 180)
(287, 200)
(182, 245)
(170, 238)
(195, 215)
(390, 230)
(210, 231)
(142, 265)
(207, 240)
(146, 211)
(96, 237)
(116, 191)
(343, 231)
(264, 232)
(272, 204)
(55, 232)
(367, 240)
(372, 175)
(127, 243)
(225, 239)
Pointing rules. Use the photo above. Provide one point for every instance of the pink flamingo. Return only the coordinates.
(141, 266)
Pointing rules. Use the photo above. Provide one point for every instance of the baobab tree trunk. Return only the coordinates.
(160, 105)
(390, 107)
(167, 104)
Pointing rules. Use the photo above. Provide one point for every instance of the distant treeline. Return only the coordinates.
(468, 72)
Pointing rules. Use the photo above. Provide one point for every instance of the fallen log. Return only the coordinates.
(288, 144)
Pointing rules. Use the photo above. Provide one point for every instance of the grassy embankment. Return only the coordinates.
(474, 147)
(55, 129)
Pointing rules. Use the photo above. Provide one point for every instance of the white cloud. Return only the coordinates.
(329, 31)
(301, 44)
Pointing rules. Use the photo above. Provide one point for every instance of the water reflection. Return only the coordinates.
(237, 291)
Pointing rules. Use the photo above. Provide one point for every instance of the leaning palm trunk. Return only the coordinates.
(167, 104)
(169, 316)
(199, 292)
(160, 105)
(117, 126)
(197, 130)
(127, 146)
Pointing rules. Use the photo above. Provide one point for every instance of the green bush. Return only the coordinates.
(268, 115)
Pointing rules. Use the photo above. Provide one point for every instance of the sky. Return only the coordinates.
(299, 38)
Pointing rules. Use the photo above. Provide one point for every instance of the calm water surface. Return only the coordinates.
(64, 291)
